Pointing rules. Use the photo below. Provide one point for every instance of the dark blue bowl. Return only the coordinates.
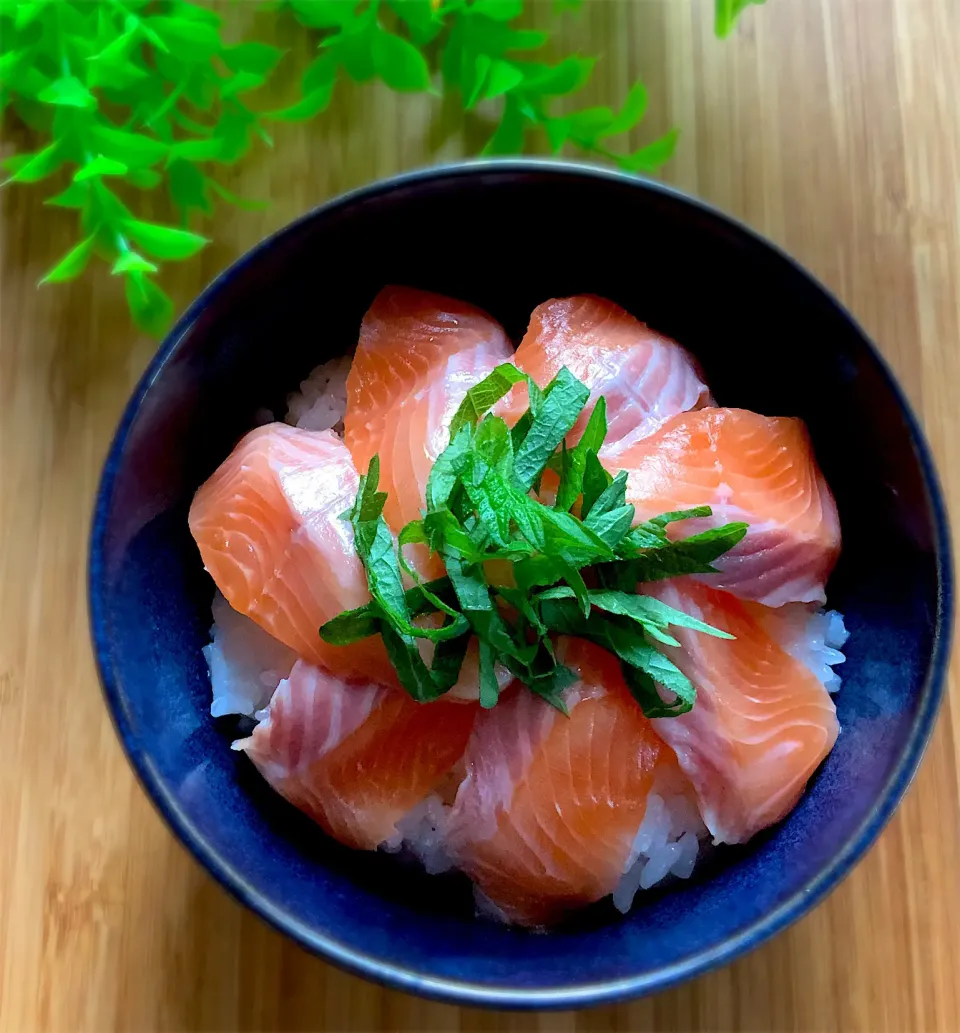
(506, 236)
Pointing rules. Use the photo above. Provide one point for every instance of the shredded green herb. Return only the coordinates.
(572, 570)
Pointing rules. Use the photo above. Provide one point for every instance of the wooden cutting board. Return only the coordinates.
(832, 126)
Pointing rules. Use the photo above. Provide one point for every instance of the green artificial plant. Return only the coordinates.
(133, 96)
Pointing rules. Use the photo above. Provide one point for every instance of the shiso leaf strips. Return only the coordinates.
(520, 571)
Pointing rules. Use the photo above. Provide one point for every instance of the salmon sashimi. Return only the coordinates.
(762, 721)
(355, 757)
(549, 811)
(748, 467)
(418, 355)
(644, 377)
(269, 529)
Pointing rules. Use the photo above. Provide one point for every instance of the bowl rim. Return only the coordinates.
(462, 991)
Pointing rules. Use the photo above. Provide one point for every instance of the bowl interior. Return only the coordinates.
(507, 238)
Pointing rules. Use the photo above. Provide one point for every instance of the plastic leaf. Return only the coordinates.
(26, 13)
(10, 60)
(632, 112)
(148, 33)
(150, 307)
(473, 78)
(566, 77)
(197, 13)
(37, 166)
(28, 82)
(163, 241)
(145, 179)
(451, 59)
(199, 88)
(68, 92)
(119, 76)
(198, 150)
(652, 156)
(75, 196)
(509, 135)
(187, 39)
(354, 51)
(502, 78)
(105, 206)
(100, 166)
(307, 107)
(136, 150)
(116, 51)
(499, 10)
(727, 12)
(240, 202)
(188, 186)
(320, 72)
(72, 264)
(242, 82)
(130, 262)
(323, 14)
(558, 131)
(525, 39)
(258, 58)
(232, 136)
(420, 18)
(399, 63)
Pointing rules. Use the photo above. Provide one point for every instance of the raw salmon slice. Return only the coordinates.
(355, 757)
(746, 467)
(268, 527)
(644, 377)
(762, 721)
(546, 818)
(418, 355)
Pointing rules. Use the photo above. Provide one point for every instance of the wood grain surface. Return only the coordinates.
(833, 126)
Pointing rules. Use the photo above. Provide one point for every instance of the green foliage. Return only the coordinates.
(141, 95)
(480, 509)
(727, 12)
(481, 55)
(129, 94)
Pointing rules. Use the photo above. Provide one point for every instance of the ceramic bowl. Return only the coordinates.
(506, 236)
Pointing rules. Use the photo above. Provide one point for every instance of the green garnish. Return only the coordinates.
(727, 12)
(568, 574)
(131, 98)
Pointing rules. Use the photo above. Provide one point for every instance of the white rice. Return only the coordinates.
(666, 845)
(246, 664)
(421, 832)
(321, 402)
(667, 842)
(815, 638)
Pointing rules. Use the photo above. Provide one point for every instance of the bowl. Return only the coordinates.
(506, 236)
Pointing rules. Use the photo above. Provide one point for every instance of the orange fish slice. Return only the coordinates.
(418, 356)
(762, 721)
(746, 467)
(355, 757)
(268, 527)
(546, 818)
(644, 377)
